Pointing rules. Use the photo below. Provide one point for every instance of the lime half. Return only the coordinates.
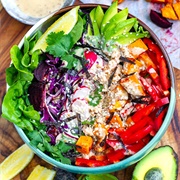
(64, 23)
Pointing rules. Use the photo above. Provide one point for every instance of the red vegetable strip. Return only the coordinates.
(153, 58)
(161, 102)
(150, 89)
(134, 128)
(134, 148)
(154, 75)
(139, 135)
(138, 115)
(165, 81)
(113, 143)
(164, 75)
(90, 162)
(159, 119)
(116, 156)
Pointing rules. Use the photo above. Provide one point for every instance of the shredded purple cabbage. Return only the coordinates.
(54, 86)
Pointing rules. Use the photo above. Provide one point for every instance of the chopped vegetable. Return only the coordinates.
(137, 47)
(162, 63)
(84, 144)
(90, 162)
(168, 12)
(176, 7)
(159, 20)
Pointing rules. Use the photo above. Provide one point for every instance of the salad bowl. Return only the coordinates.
(130, 159)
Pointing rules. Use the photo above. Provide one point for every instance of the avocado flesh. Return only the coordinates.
(94, 22)
(99, 14)
(116, 19)
(123, 27)
(160, 162)
(110, 12)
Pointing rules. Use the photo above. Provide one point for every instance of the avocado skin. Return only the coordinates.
(164, 158)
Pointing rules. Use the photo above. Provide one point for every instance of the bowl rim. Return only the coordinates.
(145, 150)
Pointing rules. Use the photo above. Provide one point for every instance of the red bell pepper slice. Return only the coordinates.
(90, 162)
(159, 119)
(163, 70)
(134, 148)
(135, 127)
(150, 89)
(166, 84)
(114, 143)
(116, 156)
(136, 137)
(161, 102)
(155, 76)
(153, 58)
(138, 115)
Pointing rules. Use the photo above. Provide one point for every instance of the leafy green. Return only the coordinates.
(97, 177)
(95, 98)
(60, 44)
(16, 106)
(16, 109)
(41, 140)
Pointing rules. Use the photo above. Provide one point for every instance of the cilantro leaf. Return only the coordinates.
(59, 43)
(71, 60)
(41, 140)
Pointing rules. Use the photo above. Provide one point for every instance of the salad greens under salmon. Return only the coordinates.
(96, 95)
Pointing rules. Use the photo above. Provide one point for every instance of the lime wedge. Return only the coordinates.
(41, 173)
(64, 23)
(15, 162)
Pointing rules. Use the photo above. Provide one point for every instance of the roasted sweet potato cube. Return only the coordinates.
(168, 12)
(84, 144)
(137, 47)
(176, 7)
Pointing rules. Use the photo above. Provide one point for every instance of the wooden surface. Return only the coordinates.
(11, 32)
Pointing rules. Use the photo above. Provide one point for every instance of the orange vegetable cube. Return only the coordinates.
(84, 144)
(129, 68)
(133, 85)
(147, 60)
(116, 119)
(176, 7)
(168, 12)
(137, 47)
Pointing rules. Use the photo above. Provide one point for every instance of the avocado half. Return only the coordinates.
(160, 164)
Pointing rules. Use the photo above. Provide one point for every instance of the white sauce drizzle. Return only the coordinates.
(39, 9)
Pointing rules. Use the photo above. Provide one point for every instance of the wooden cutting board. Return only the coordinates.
(11, 32)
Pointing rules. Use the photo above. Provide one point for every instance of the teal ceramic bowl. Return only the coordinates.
(42, 25)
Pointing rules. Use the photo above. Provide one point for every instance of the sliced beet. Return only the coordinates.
(41, 71)
(36, 91)
(159, 20)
